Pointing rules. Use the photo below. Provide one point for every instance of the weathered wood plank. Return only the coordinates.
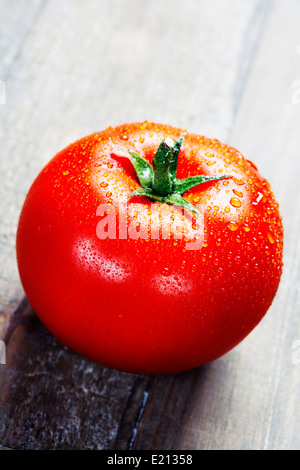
(274, 95)
(17, 18)
(249, 399)
(54, 399)
(4, 448)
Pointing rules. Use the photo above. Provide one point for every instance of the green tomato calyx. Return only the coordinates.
(159, 182)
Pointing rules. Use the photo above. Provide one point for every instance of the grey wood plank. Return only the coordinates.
(250, 397)
(17, 17)
(274, 96)
(54, 399)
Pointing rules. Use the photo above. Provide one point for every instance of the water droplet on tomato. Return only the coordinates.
(271, 237)
(235, 202)
(237, 193)
(233, 226)
(238, 181)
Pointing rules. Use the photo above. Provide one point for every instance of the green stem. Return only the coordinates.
(174, 158)
(162, 183)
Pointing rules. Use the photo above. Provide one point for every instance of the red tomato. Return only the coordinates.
(137, 282)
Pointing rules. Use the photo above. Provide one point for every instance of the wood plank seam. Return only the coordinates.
(133, 412)
(261, 15)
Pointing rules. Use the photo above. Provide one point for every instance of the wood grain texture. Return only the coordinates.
(54, 399)
(225, 69)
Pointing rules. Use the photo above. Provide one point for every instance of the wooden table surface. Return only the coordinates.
(228, 69)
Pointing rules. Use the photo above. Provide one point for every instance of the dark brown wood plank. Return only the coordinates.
(4, 448)
(52, 398)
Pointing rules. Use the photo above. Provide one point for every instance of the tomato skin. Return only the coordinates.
(149, 305)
